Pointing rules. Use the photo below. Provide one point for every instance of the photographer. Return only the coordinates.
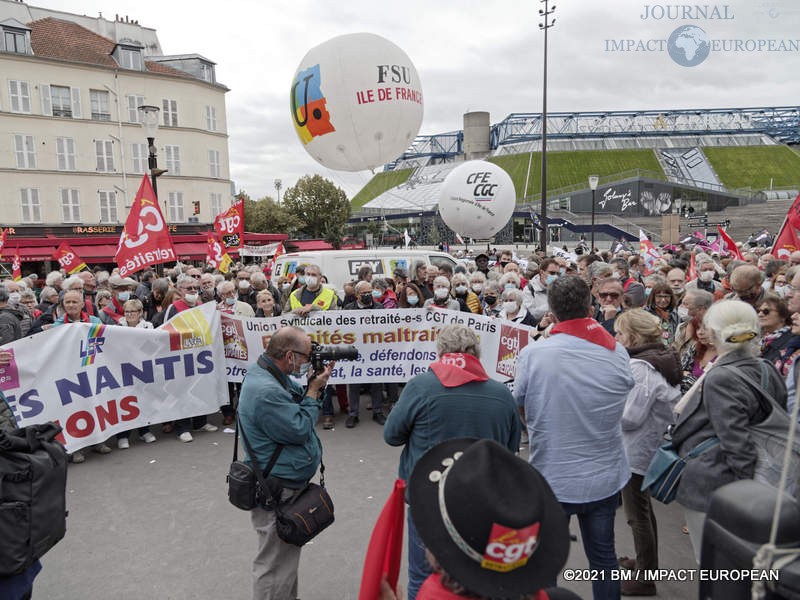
(274, 410)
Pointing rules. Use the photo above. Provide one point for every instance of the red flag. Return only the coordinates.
(230, 226)
(385, 546)
(648, 252)
(278, 251)
(3, 233)
(794, 213)
(145, 239)
(692, 273)
(729, 245)
(16, 266)
(215, 255)
(68, 259)
(786, 242)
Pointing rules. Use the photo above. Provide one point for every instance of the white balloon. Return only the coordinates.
(356, 102)
(477, 199)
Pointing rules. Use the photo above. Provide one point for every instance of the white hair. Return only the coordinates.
(70, 282)
(734, 326)
(458, 338)
(53, 277)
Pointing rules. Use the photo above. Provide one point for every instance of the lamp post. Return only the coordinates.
(278, 186)
(593, 180)
(149, 116)
(547, 24)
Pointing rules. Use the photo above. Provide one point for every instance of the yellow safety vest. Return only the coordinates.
(323, 299)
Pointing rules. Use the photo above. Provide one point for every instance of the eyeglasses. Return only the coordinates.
(192, 288)
(612, 295)
(764, 311)
(301, 353)
(195, 276)
(132, 312)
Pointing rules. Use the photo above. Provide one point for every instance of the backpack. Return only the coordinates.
(771, 437)
(33, 481)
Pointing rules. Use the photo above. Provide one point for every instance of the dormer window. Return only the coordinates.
(206, 72)
(15, 37)
(129, 56)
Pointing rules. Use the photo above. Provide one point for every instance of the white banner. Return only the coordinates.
(394, 345)
(98, 380)
(267, 250)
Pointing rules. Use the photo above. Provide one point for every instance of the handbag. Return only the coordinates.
(301, 518)
(666, 468)
(245, 488)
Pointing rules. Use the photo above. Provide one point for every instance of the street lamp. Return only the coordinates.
(548, 23)
(149, 115)
(593, 180)
(278, 186)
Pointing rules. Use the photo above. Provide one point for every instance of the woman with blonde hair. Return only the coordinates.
(722, 405)
(648, 411)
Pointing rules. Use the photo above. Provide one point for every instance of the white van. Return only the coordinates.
(341, 266)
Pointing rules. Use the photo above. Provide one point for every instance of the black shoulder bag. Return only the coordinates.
(298, 519)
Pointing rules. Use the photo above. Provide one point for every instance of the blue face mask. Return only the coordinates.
(301, 371)
(550, 279)
(509, 286)
(377, 294)
(124, 296)
(647, 291)
(412, 300)
(301, 279)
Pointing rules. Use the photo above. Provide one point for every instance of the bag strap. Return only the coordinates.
(761, 387)
(702, 447)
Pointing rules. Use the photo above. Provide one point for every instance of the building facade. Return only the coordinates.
(72, 148)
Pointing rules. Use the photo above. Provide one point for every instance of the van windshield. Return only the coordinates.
(441, 260)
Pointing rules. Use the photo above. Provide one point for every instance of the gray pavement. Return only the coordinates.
(154, 522)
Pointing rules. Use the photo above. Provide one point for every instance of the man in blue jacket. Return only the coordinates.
(274, 411)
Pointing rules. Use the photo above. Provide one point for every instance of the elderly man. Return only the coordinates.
(121, 291)
(229, 305)
(276, 413)
(706, 271)
(246, 291)
(746, 283)
(10, 319)
(208, 288)
(534, 294)
(676, 278)
(89, 291)
(573, 418)
(453, 399)
(696, 302)
(610, 294)
(312, 295)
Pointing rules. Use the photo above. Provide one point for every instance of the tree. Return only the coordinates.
(320, 205)
(267, 216)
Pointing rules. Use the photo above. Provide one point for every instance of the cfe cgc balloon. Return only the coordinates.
(477, 199)
(356, 102)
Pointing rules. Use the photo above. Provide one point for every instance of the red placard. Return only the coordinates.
(230, 226)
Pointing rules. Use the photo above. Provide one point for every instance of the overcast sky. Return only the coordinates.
(470, 55)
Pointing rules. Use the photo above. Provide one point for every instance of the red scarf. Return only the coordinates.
(587, 329)
(84, 318)
(432, 589)
(114, 310)
(181, 306)
(454, 369)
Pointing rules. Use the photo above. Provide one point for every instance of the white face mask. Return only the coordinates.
(477, 288)
(706, 276)
(683, 312)
(230, 301)
(510, 306)
(13, 298)
(311, 281)
(441, 293)
(244, 284)
(286, 285)
(191, 299)
(124, 296)
(461, 289)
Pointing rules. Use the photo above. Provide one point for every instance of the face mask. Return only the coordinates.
(562, 270)
(376, 294)
(286, 285)
(191, 299)
(230, 301)
(550, 279)
(312, 281)
(13, 298)
(412, 300)
(683, 312)
(647, 291)
(490, 300)
(503, 263)
(124, 296)
(441, 293)
(244, 284)
(509, 286)
(301, 371)
(461, 289)
(301, 279)
(706, 275)
(779, 289)
(678, 290)
(477, 288)
(366, 299)
(615, 275)
(510, 306)
(634, 273)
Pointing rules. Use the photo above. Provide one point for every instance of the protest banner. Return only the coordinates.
(68, 259)
(394, 344)
(261, 251)
(97, 380)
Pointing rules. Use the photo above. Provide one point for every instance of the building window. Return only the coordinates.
(29, 203)
(25, 150)
(108, 206)
(173, 156)
(61, 101)
(134, 114)
(70, 206)
(170, 110)
(215, 203)
(175, 207)
(130, 58)
(139, 154)
(20, 95)
(211, 118)
(104, 152)
(101, 108)
(65, 154)
(15, 40)
(213, 163)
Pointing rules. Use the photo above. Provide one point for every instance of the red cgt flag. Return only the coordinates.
(68, 259)
(794, 213)
(16, 266)
(216, 255)
(230, 226)
(729, 245)
(145, 239)
(786, 242)
(385, 546)
(691, 274)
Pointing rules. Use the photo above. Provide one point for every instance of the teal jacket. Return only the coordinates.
(269, 416)
(428, 413)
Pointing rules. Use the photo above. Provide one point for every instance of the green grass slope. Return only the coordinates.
(382, 182)
(754, 166)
